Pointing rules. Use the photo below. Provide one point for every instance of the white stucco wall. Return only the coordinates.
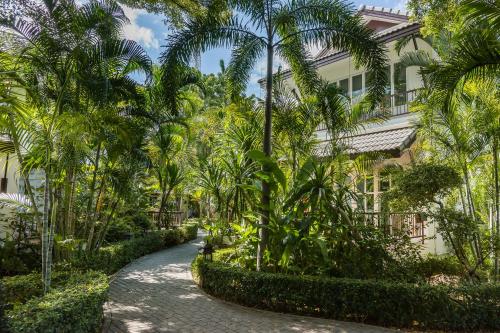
(345, 68)
(12, 187)
(16, 185)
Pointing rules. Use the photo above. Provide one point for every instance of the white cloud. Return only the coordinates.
(401, 5)
(134, 31)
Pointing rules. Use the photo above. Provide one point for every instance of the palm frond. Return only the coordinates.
(243, 58)
(15, 200)
(482, 11)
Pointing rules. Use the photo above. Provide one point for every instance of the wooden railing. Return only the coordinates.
(413, 224)
(169, 219)
(392, 105)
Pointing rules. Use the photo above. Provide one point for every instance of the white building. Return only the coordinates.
(393, 137)
(12, 182)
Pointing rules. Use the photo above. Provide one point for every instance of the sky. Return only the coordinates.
(150, 31)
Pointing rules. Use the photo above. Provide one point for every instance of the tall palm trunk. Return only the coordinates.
(90, 216)
(45, 234)
(266, 191)
(496, 200)
(476, 246)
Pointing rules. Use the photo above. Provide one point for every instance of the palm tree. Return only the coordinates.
(283, 28)
(75, 63)
(472, 58)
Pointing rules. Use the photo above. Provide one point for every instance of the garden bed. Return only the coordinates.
(385, 303)
(79, 287)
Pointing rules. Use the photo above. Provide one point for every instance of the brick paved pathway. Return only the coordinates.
(156, 294)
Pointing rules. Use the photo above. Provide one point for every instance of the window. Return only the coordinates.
(357, 85)
(344, 86)
(369, 80)
(384, 182)
(365, 189)
(399, 84)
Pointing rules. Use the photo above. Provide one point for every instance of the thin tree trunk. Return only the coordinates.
(90, 219)
(104, 230)
(70, 217)
(267, 146)
(475, 237)
(45, 234)
(164, 200)
(50, 245)
(497, 204)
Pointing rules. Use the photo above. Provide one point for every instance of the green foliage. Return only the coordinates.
(78, 307)
(421, 185)
(189, 231)
(128, 227)
(434, 265)
(372, 301)
(16, 259)
(75, 302)
(110, 259)
(21, 288)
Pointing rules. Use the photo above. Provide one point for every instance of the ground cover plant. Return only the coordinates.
(114, 150)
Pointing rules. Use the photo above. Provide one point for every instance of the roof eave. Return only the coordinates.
(409, 30)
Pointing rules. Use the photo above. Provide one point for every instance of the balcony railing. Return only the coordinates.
(170, 218)
(392, 105)
(413, 224)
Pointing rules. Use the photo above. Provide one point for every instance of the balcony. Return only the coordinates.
(411, 224)
(391, 106)
(170, 218)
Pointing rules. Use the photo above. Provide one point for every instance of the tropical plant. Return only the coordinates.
(277, 28)
(71, 71)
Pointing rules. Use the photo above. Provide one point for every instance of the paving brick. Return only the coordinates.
(156, 293)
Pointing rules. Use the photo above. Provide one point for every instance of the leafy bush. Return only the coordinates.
(18, 258)
(74, 308)
(190, 231)
(373, 301)
(433, 265)
(21, 288)
(128, 227)
(110, 259)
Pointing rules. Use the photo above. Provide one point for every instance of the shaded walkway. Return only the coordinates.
(156, 294)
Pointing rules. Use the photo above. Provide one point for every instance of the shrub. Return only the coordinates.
(110, 259)
(18, 258)
(21, 288)
(190, 230)
(373, 301)
(75, 308)
(433, 265)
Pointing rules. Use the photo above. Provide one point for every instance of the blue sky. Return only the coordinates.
(150, 31)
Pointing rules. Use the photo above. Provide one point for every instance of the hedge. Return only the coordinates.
(75, 302)
(76, 308)
(371, 301)
(21, 288)
(110, 259)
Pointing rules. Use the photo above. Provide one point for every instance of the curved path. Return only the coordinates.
(156, 294)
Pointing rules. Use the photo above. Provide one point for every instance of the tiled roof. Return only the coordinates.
(383, 10)
(328, 52)
(393, 141)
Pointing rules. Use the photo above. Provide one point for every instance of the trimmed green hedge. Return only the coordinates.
(75, 302)
(76, 308)
(21, 288)
(371, 301)
(110, 259)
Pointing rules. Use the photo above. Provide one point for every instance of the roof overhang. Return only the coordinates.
(6, 145)
(385, 37)
(391, 142)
